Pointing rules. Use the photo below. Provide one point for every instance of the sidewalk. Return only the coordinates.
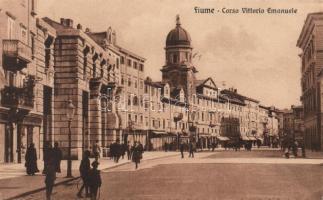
(14, 182)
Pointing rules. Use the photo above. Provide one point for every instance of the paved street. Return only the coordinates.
(260, 174)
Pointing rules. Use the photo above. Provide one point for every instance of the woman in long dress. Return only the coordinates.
(31, 160)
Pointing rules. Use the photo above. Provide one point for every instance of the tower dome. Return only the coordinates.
(178, 36)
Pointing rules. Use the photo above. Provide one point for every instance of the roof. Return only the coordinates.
(178, 36)
(304, 33)
(235, 95)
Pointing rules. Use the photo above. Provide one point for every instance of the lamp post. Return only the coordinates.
(70, 109)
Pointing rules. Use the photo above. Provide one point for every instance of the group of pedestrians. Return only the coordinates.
(90, 176)
(191, 148)
(52, 164)
(118, 150)
(134, 152)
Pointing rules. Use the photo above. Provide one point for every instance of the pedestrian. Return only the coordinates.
(123, 150)
(118, 150)
(96, 150)
(47, 150)
(50, 173)
(112, 151)
(128, 150)
(94, 180)
(181, 148)
(84, 172)
(191, 149)
(213, 145)
(165, 146)
(57, 156)
(295, 148)
(31, 160)
(136, 154)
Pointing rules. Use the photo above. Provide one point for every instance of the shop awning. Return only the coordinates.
(222, 138)
(244, 138)
(160, 133)
(252, 138)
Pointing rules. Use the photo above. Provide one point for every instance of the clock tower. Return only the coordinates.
(179, 71)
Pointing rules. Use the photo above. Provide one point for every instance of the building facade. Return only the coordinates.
(26, 80)
(46, 64)
(310, 42)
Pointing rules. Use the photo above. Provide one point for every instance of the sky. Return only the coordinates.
(255, 53)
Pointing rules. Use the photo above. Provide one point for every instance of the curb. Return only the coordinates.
(75, 178)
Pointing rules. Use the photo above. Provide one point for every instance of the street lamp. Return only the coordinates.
(70, 109)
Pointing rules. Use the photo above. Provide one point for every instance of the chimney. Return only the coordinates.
(67, 22)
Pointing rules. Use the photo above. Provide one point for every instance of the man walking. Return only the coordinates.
(94, 180)
(191, 149)
(57, 156)
(181, 148)
(84, 172)
(96, 150)
(50, 173)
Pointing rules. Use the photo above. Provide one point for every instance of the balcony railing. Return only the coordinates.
(19, 97)
(16, 55)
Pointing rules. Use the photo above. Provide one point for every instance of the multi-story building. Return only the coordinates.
(47, 65)
(26, 80)
(311, 43)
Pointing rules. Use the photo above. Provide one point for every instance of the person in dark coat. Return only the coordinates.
(181, 148)
(84, 172)
(57, 156)
(31, 160)
(94, 180)
(136, 154)
(112, 151)
(47, 154)
(191, 149)
(50, 177)
(118, 150)
(123, 150)
(128, 151)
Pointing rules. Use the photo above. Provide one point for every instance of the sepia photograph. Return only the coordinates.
(161, 100)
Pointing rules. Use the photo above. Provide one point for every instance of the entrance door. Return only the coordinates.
(9, 143)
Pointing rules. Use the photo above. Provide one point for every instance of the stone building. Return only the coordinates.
(46, 64)
(310, 42)
(26, 80)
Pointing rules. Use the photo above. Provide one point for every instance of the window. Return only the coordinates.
(136, 83)
(117, 61)
(129, 100)
(129, 81)
(141, 84)
(146, 89)
(141, 67)
(122, 60)
(175, 57)
(11, 28)
(129, 117)
(129, 62)
(135, 65)
(135, 101)
(122, 80)
(33, 46)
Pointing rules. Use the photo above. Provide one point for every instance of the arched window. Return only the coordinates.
(175, 58)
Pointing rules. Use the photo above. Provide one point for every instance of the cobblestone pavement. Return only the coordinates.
(210, 175)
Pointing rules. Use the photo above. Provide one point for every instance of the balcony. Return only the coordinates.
(19, 98)
(16, 55)
(212, 124)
